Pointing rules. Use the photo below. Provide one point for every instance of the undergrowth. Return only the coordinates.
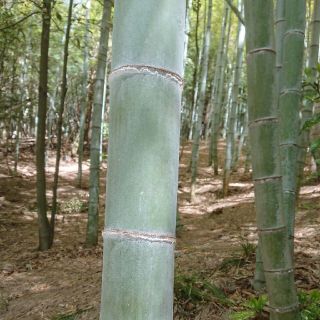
(255, 307)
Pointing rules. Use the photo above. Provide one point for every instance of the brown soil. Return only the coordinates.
(216, 232)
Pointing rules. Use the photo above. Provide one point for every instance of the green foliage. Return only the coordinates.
(309, 302)
(312, 122)
(251, 309)
(248, 249)
(242, 315)
(197, 290)
(310, 305)
(65, 317)
(310, 85)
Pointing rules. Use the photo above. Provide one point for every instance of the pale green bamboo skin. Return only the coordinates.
(217, 82)
(307, 106)
(147, 59)
(264, 139)
(95, 147)
(289, 105)
(259, 280)
(230, 136)
(280, 20)
(201, 102)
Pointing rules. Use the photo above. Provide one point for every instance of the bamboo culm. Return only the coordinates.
(201, 101)
(264, 139)
(95, 147)
(143, 156)
(289, 104)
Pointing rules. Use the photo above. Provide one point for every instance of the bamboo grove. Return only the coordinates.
(237, 78)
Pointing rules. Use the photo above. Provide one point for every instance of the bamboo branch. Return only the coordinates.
(19, 21)
(235, 11)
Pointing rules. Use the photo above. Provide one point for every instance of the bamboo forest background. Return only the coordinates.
(249, 158)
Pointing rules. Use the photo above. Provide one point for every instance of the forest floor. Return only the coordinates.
(214, 252)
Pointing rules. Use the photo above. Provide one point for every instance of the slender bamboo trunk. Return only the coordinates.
(307, 106)
(289, 105)
(143, 160)
(60, 120)
(201, 101)
(217, 75)
(95, 148)
(83, 108)
(217, 102)
(264, 139)
(195, 86)
(44, 226)
(230, 127)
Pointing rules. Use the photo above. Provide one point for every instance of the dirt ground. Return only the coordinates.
(215, 245)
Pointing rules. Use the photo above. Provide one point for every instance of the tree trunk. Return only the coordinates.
(44, 227)
(143, 160)
(201, 102)
(264, 139)
(95, 148)
(60, 120)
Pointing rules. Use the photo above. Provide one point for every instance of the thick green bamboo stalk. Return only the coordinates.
(307, 106)
(95, 147)
(259, 278)
(139, 236)
(264, 139)
(230, 136)
(289, 104)
(201, 101)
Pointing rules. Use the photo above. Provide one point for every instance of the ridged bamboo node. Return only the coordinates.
(288, 144)
(280, 271)
(262, 50)
(293, 307)
(274, 229)
(147, 69)
(290, 191)
(138, 236)
(267, 179)
(265, 120)
(294, 31)
(290, 90)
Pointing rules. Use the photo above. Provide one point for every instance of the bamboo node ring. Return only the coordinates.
(138, 235)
